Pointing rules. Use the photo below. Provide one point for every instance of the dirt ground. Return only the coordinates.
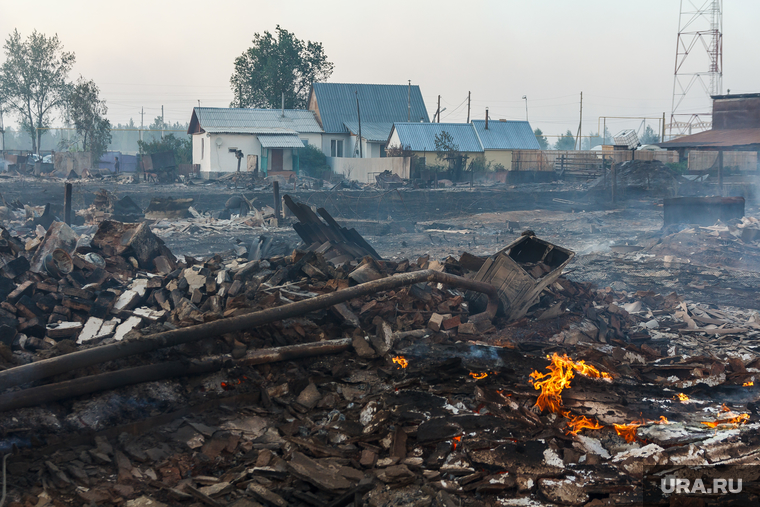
(410, 224)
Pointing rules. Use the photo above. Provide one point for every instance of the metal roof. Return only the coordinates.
(506, 135)
(280, 141)
(252, 121)
(716, 138)
(421, 136)
(371, 131)
(377, 103)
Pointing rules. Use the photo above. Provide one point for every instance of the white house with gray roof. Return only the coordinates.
(268, 139)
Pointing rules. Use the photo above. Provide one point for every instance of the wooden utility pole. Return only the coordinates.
(438, 112)
(720, 171)
(142, 117)
(409, 102)
(162, 122)
(276, 190)
(67, 204)
(580, 124)
(359, 116)
(662, 139)
(468, 107)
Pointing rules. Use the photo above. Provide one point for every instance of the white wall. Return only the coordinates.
(220, 158)
(363, 170)
(314, 139)
(201, 151)
(347, 144)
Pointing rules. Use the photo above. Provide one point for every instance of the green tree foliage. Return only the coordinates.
(565, 142)
(277, 65)
(87, 113)
(449, 151)
(182, 148)
(33, 80)
(649, 136)
(543, 144)
(312, 161)
(479, 165)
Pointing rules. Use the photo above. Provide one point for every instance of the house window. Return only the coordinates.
(336, 148)
(203, 147)
(305, 142)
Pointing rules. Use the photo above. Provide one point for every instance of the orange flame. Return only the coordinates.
(552, 384)
(724, 408)
(579, 422)
(401, 361)
(734, 421)
(478, 376)
(748, 384)
(682, 397)
(454, 442)
(628, 431)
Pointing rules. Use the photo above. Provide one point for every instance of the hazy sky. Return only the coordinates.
(621, 55)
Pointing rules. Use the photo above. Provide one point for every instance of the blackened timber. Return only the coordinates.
(24, 374)
(312, 230)
(349, 234)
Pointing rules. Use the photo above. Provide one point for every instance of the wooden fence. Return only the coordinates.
(582, 163)
(738, 160)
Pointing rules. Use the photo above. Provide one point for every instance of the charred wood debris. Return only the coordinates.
(332, 377)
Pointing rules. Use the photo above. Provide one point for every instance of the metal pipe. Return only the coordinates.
(159, 371)
(54, 366)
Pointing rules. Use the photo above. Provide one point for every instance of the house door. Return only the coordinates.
(276, 160)
(252, 163)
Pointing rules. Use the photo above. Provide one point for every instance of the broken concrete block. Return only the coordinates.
(467, 328)
(108, 328)
(451, 323)
(436, 321)
(128, 325)
(365, 273)
(90, 330)
(362, 348)
(164, 264)
(383, 339)
(63, 330)
(309, 397)
(128, 300)
(195, 280)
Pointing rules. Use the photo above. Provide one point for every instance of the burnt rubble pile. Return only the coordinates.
(418, 396)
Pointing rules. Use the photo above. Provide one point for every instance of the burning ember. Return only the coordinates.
(552, 384)
(579, 422)
(455, 441)
(478, 376)
(748, 384)
(733, 421)
(401, 361)
(628, 431)
(682, 397)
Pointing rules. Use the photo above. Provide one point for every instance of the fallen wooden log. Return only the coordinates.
(20, 375)
(160, 371)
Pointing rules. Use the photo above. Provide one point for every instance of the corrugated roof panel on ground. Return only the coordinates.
(377, 103)
(244, 120)
(506, 135)
(421, 136)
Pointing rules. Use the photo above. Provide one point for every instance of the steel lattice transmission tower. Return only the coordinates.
(700, 34)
